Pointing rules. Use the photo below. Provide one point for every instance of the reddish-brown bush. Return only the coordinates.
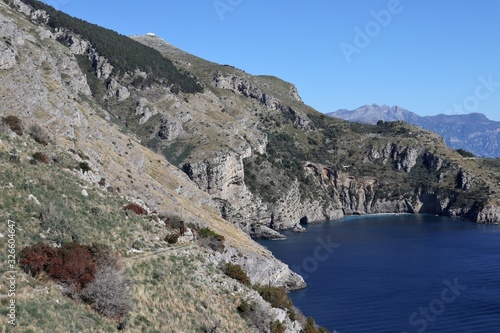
(73, 265)
(136, 208)
(41, 157)
(102, 182)
(36, 258)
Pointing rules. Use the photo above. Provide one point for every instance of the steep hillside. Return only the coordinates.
(472, 132)
(70, 166)
(302, 166)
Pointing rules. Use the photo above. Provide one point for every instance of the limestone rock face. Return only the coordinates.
(432, 161)
(172, 127)
(488, 215)
(115, 89)
(247, 89)
(7, 57)
(405, 157)
(464, 180)
(145, 110)
(294, 93)
(260, 271)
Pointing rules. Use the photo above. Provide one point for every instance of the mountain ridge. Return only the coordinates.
(473, 132)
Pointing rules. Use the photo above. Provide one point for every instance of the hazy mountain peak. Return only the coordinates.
(371, 114)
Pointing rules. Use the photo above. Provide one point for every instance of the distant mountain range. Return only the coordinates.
(473, 132)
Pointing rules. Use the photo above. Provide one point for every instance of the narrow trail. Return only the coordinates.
(146, 256)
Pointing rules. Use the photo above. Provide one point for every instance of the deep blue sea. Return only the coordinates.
(397, 273)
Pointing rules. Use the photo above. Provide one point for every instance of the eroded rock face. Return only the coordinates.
(464, 180)
(171, 127)
(146, 110)
(488, 215)
(265, 272)
(115, 89)
(7, 57)
(247, 89)
(404, 157)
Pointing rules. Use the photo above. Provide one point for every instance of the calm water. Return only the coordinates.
(397, 273)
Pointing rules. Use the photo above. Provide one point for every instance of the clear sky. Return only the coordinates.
(428, 56)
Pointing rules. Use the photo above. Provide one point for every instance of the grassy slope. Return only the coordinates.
(175, 290)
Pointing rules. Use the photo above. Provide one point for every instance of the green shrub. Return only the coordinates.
(277, 327)
(276, 296)
(465, 153)
(236, 272)
(85, 167)
(211, 239)
(311, 327)
(245, 308)
(124, 54)
(209, 233)
(172, 238)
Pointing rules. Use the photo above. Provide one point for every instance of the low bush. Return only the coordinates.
(73, 266)
(236, 272)
(15, 124)
(42, 157)
(209, 233)
(311, 327)
(54, 221)
(245, 308)
(36, 258)
(276, 296)
(211, 240)
(91, 272)
(109, 294)
(172, 238)
(173, 221)
(70, 264)
(136, 208)
(39, 134)
(85, 167)
(104, 256)
(277, 327)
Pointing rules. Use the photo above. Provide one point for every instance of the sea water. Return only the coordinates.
(397, 273)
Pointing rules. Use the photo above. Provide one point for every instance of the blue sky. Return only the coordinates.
(427, 56)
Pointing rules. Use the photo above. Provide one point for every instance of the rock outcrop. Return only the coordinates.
(248, 89)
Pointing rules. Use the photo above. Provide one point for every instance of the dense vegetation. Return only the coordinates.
(125, 54)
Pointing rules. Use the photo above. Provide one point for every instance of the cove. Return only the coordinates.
(397, 273)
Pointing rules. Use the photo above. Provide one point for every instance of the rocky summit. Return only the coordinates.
(174, 163)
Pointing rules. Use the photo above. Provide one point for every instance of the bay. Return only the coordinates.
(397, 273)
